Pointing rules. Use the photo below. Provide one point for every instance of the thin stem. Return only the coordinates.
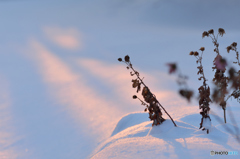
(142, 101)
(224, 111)
(204, 82)
(230, 95)
(137, 74)
(166, 113)
(182, 78)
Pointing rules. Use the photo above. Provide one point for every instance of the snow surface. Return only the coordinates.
(136, 139)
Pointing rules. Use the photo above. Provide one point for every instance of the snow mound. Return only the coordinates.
(130, 120)
(134, 137)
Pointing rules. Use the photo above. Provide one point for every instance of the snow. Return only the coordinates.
(141, 140)
(64, 95)
(207, 123)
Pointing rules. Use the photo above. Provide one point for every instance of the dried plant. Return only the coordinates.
(204, 91)
(220, 93)
(151, 103)
(234, 76)
(221, 81)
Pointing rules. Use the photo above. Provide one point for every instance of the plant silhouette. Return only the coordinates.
(151, 103)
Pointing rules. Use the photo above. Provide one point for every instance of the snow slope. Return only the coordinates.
(135, 138)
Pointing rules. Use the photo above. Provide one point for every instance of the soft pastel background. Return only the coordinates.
(62, 90)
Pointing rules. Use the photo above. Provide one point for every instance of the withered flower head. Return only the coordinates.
(134, 96)
(186, 94)
(220, 63)
(229, 48)
(211, 31)
(221, 31)
(234, 44)
(202, 49)
(172, 67)
(127, 58)
(191, 53)
(205, 34)
(119, 59)
(196, 53)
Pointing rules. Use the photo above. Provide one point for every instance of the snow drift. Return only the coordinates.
(134, 137)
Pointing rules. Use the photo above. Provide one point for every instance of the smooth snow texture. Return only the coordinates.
(138, 139)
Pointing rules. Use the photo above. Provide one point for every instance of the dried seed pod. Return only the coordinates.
(234, 44)
(127, 58)
(205, 34)
(202, 49)
(229, 48)
(196, 53)
(221, 31)
(191, 53)
(172, 67)
(186, 94)
(211, 31)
